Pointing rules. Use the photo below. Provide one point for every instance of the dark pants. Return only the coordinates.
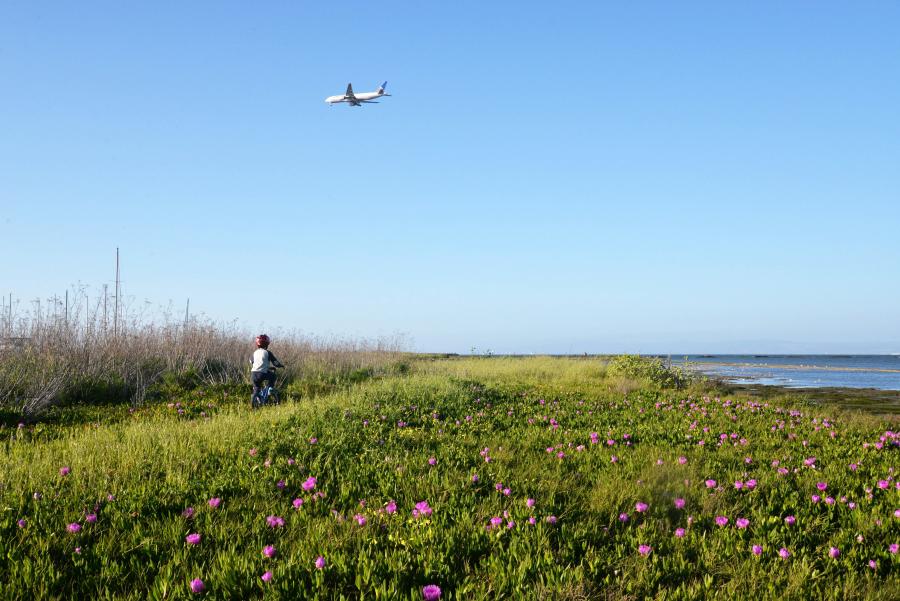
(259, 378)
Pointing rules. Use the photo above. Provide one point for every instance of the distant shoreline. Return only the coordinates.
(690, 365)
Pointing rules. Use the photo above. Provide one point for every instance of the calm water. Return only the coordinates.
(801, 371)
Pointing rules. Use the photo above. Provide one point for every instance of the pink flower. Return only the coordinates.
(682, 460)
(834, 552)
(474, 478)
(297, 503)
(21, 523)
(757, 550)
(74, 527)
(641, 507)
(431, 592)
(710, 483)
(269, 551)
(432, 461)
(721, 520)
(790, 520)
(816, 498)
(281, 484)
(742, 523)
(784, 553)
(738, 484)
(320, 562)
(192, 539)
(751, 484)
(613, 459)
(422, 509)
(873, 564)
(623, 517)
(645, 549)
(188, 513)
(91, 518)
(883, 484)
(252, 452)
(360, 519)
(197, 585)
(679, 503)
(821, 485)
(551, 519)
(893, 548)
(266, 577)
(214, 502)
(309, 484)
(530, 503)
(64, 471)
(679, 532)
(274, 521)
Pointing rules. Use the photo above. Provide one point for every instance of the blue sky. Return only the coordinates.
(569, 177)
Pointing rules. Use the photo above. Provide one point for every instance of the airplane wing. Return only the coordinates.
(349, 93)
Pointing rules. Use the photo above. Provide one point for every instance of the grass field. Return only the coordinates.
(484, 478)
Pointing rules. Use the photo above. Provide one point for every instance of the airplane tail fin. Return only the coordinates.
(381, 88)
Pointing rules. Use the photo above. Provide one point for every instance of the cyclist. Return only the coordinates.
(263, 366)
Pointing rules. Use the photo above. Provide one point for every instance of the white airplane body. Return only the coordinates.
(357, 99)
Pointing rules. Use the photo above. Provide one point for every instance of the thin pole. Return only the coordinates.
(187, 313)
(67, 308)
(116, 315)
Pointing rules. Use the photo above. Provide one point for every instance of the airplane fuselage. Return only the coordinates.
(363, 96)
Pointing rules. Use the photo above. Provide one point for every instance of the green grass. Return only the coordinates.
(373, 444)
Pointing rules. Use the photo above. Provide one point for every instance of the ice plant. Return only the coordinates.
(192, 539)
(641, 507)
(790, 520)
(431, 592)
(721, 520)
(391, 507)
(91, 518)
(309, 484)
(275, 521)
(64, 471)
(269, 551)
(757, 550)
(266, 577)
(188, 513)
(74, 527)
(197, 585)
(320, 562)
(783, 553)
(530, 503)
(422, 510)
(834, 552)
(679, 503)
(679, 532)
(297, 503)
(644, 549)
(710, 483)
(215, 502)
(742, 522)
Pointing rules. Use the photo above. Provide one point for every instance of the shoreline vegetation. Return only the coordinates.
(481, 477)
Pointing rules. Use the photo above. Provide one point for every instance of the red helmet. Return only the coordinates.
(262, 341)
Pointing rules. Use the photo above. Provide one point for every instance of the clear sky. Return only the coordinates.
(548, 177)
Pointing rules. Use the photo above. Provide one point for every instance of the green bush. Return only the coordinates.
(650, 369)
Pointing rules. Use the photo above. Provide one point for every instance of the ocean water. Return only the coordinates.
(800, 371)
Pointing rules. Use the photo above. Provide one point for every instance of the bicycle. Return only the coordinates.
(267, 395)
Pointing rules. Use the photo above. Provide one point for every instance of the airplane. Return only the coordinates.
(357, 99)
